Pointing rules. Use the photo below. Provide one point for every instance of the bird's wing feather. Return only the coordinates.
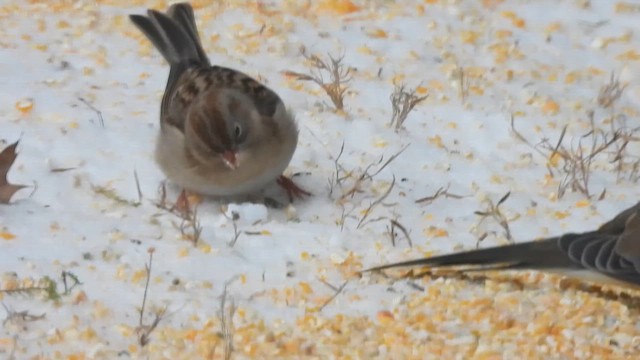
(535, 254)
(592, 251)
(617, 225)
(628, 247)
(200, 79)
(264, 99)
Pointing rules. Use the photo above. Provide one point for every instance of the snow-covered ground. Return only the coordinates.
(80, 87)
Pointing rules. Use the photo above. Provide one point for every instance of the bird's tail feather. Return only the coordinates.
(175, 35)
(529, 255)
(182, 14)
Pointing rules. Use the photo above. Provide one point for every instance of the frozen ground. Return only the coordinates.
(480, 63)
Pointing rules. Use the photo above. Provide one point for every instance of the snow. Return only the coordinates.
(89, 221)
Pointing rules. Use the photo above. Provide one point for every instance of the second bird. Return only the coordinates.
(222, 132)
(609, 254)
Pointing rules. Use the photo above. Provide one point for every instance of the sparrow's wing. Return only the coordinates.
(615, 254)
(197, 80)
(265, 100)
(201, 79)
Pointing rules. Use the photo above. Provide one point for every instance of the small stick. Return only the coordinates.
(98, 112)
(338, 291)
(144, 331)
(395, 224)
(375, 203)
(440, 192)
(135, 176)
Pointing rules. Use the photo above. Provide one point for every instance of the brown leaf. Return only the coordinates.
(7, 157)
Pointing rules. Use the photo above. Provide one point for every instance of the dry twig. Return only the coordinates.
(138, 189)
(375, 203)
(90, 106)
(627, 163)
(366, 175)
(493, 212)
(575, 161)
(144, 331)
(339, 173)
(236, 233)
(47, 286)
(610, 93)
(339, 76)
(20, 317)
(335, 294)
(226, 319)
(392, 232)
(439, 193)
(402, 102)
(359, 178)
(190, 227)
(463, 83)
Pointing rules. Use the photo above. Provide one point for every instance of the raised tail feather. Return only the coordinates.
(183, 15)
(175, 35)
(543, 254)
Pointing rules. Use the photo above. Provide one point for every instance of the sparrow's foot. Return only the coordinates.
(182, 205)
(293, 190)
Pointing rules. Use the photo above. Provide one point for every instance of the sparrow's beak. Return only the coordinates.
(229, 158)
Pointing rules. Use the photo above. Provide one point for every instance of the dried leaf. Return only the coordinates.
(296, 75)
(7, 157)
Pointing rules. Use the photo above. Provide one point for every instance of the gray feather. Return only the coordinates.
(612, 250)
(178, 42)
(182, 14)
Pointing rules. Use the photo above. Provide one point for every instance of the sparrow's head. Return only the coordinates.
(223, 124)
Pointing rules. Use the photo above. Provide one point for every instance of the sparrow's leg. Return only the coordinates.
(182, 205)
(293, 190)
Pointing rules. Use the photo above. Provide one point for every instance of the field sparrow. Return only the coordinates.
(222, 132)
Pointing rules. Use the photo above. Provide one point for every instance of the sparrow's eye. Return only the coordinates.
(237, 131)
